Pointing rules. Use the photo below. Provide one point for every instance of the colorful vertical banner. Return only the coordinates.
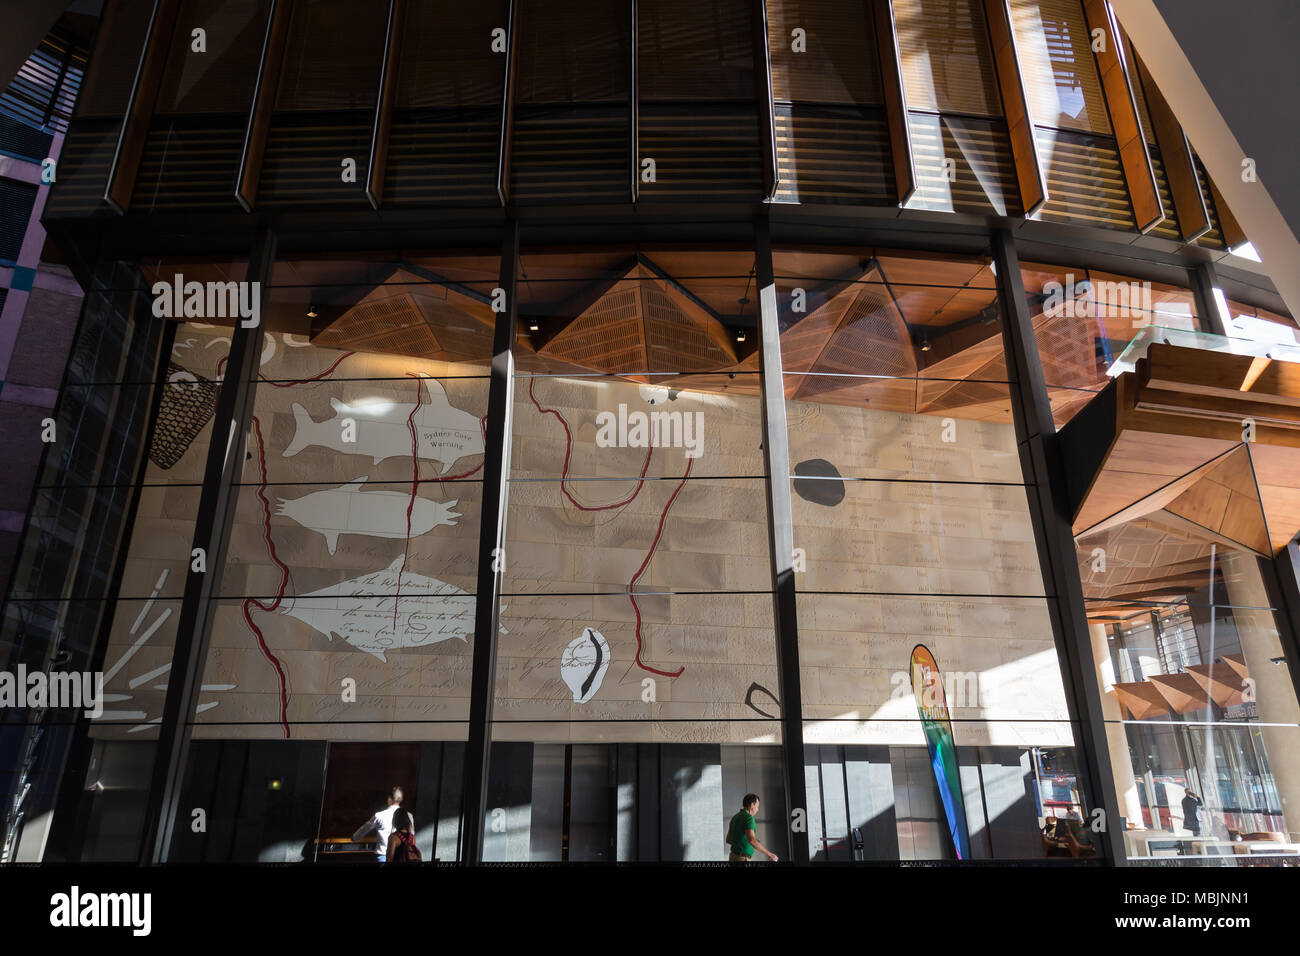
(933, 707)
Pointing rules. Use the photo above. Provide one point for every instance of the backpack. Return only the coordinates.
(406, 851)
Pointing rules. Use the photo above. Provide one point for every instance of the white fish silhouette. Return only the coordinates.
(446, 433)
(584, 663)
(360, 611)
(377, 514)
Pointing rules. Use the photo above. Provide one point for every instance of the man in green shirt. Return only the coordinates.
(741, 837)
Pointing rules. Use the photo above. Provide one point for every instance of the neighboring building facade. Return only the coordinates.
(585, 414)
(39, 301)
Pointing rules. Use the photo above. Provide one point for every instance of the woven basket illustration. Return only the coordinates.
(188, 403)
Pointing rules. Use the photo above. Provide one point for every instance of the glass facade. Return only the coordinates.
(496, 507)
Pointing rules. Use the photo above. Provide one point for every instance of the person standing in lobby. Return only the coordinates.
(742, 839)
(382, 822)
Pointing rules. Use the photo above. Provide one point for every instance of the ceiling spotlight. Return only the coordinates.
(533, 326)
(925, 345)
(311, 312)
(740, 335)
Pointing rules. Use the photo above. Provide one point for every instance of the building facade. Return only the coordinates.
(583, 415)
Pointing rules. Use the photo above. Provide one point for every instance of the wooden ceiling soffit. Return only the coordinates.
(1141, 700)
(410, 316)
(862, 335)
(644, 322)
(1135, 480)
(1236, 381)
(806, 336)
(1178, 523)
(1276, 468)
(972, 378)
(1225, 501)
(1153, 431)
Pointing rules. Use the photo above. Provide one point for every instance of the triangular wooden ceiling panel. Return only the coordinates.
(1141, 700)
(1224, 501)
(641, 323)
(1181, 691)
(1277, 468)
(1223, 684)
(1142, 472)
(400, 316)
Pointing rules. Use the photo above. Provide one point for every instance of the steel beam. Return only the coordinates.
(1043, 467)
(780, 525)
(212, 527)
(491, 556)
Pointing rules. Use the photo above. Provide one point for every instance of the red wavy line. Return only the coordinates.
(221, 364)
(249, 603)
(415, 488)
(568, 450)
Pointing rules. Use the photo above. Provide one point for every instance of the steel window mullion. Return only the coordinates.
(780, 524)
(384, 100)
(1205, 290)
(491, 551)
(1282, 584)
(1044, 474)
(506, 138)
(766, 106)
(212, 528)
(635, 111)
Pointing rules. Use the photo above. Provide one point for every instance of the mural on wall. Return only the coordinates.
(349, 509)
(584, 664)
(931, 703)
(758, 689)
(182, 413)
(382, 430)
(388, 610)
(818, 482)
(121, 705)
(359, 559)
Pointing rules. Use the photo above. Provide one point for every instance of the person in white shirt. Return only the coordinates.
(383, 823)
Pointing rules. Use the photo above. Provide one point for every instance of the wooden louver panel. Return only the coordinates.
(1020, 127)
(839, 62)
(947, 63)
(1059, 72)
(1134, 160)
(144, 95)
(1176, 156)
(891, 79)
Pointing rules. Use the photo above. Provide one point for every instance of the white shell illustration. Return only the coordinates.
(584, 663)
